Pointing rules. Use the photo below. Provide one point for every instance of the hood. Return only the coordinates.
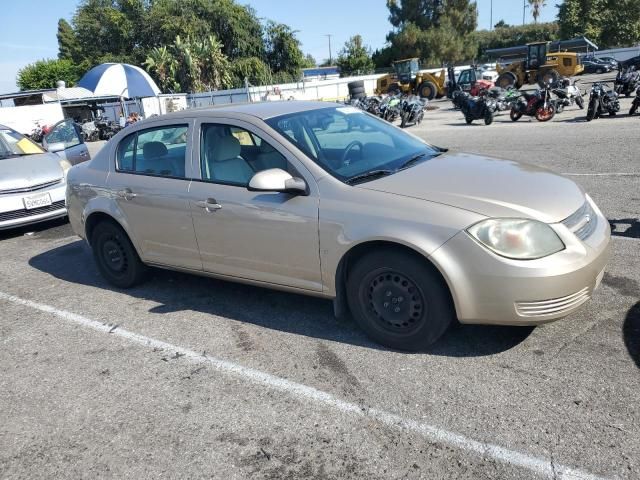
(27, 170)
(488, 186)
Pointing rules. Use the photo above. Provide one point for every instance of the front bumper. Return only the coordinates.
(489, 289)
(13, 213)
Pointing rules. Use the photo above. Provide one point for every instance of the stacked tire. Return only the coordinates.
(356, 89)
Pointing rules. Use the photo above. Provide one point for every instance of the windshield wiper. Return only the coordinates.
(413, 160)
(368, 176)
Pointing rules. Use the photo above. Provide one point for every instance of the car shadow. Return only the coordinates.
(292, 313)
(46, 229)
(625, 227)
(631, 333)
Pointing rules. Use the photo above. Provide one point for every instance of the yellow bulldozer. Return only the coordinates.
(540, 66)
(408, 78)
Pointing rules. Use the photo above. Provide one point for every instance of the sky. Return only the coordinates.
(28, 31)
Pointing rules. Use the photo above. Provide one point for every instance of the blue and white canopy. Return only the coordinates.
(119, 80)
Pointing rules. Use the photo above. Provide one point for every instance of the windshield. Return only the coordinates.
(13, 144)
(409, 67)
(349, 143)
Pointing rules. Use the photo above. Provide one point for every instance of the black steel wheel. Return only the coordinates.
(115, 256)
(399, 300)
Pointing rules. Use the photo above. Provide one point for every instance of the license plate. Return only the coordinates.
(37, 201)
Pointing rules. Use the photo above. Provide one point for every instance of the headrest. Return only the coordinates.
(225, 148)
(153, 150)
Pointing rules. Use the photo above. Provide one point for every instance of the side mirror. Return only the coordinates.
(277, 180)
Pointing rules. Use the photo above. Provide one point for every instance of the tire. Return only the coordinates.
(549, 114)
(356, 90)
(403, 119)
(591, 111)
(515, 115)
(488, 117)
(600, 71)
(468, 119)
(550, 77)
(506, 80)
(612, 114)
(115, 256)
(427, 90)
(355, 84)
(356, 96)
(634, 107)
(580, 102)
(399, 301)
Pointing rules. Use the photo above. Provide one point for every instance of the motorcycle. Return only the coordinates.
(90, 132)
(107, 128)
(538, 104)
(390, 108)
(38, 133)
(602, 101)
(567, 94)
(627, 81)
(475, 108)
(412, 111)
(636, 103)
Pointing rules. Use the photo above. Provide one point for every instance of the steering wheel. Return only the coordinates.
(351, 146)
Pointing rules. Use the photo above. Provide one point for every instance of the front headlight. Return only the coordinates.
(517, 238)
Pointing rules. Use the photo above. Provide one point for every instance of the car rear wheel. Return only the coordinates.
(398, 300)
(115, 256)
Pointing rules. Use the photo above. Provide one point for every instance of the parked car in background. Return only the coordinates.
(326, 200)
(596, 67)
(32, 180)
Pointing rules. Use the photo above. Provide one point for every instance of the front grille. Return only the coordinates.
(24, 213)
(583, 222)
(31, 188)
(556, 306)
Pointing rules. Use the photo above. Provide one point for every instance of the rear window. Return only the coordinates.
(157, 151)
(13, 144)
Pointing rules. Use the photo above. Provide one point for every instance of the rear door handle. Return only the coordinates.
(210, 204)
(127, 194)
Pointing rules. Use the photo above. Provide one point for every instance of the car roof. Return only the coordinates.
(262, 110)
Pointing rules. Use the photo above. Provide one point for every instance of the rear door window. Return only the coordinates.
(157, 151)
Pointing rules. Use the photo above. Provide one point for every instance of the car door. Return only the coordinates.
(65, 139)
(269, 237)
(149, 181)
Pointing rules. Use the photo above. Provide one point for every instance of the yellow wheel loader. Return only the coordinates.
(408, 78)
(541, 67)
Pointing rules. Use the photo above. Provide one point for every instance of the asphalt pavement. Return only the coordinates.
(185, 377)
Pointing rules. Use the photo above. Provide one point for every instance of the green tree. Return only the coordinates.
(162, 65)
(283, 54)
(253, 69)
(45, 73)
(436, 31)
(68, 46)
(236, 26)
(309, 61)
(355, 58)
(536, 7)
(609, 23)
(190, 65)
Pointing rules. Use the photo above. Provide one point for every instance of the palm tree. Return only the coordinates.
(536, 7)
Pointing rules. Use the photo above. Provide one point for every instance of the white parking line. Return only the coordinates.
(537, 465)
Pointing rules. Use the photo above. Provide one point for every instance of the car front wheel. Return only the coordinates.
(398, 300)
(115, 256)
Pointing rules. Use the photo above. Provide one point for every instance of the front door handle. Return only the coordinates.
(210, 204)
(127, 194)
